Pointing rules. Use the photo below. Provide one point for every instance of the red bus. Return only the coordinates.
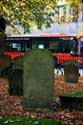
(59, 45)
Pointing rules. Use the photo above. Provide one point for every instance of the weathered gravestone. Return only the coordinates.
(16, 82)
(71, 71)
(38, 85)
(18, 62)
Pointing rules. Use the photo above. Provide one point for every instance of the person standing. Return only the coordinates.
(74, 46)
(81, 47)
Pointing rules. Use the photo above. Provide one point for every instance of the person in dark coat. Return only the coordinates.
(81, 47)
(74, 46)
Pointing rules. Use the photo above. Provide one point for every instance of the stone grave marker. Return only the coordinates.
(71, 71)
(38, 85)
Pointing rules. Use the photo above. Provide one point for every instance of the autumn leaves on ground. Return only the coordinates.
(10, 105)
(60, 86)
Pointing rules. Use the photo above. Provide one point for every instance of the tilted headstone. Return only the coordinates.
(38, 85)
(71, 71)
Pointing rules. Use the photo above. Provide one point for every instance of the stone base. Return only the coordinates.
(71, 102)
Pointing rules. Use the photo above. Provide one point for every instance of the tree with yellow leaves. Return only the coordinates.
(33, 12)
(76, 7)
(26, 12)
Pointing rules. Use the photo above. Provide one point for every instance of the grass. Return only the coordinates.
(72, 100)
(20, 120)
(77, 94)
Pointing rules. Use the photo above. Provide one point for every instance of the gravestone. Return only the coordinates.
(38, 85)
(18, 62)
(71, 71)
(16, 82)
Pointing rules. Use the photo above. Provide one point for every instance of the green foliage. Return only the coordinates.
(18, 62)
(39, 12)
(18, 11)
(76, 94)
(38, 79)
(2, 35)
(76, 7)
(14, 120)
